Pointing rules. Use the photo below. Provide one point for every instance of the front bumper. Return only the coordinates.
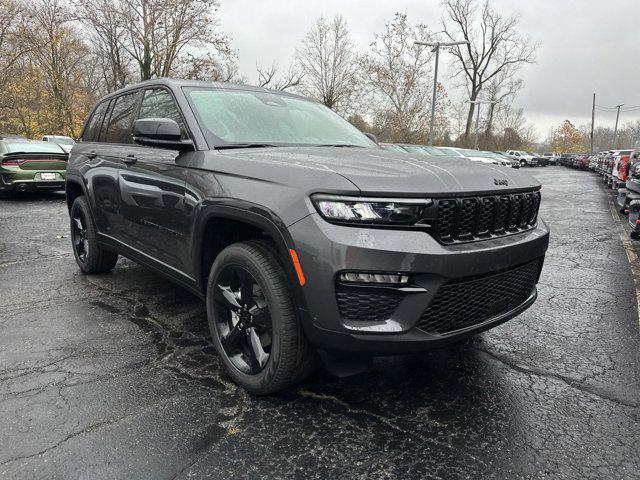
(325, 250)
(622, 197)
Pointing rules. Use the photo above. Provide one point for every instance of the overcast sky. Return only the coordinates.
(586, 46)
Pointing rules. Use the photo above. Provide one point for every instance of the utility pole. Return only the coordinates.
(436, 49)
(477, 104)
(615, 130)
(593, 117)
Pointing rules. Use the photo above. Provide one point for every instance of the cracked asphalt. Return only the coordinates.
(114, 376)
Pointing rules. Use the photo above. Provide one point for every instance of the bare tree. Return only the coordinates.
(59, 53)
(515, 131)
(208, 67)
(102, 21)
(494, 46)
(397, 72)
(155, 34)
(270, 77)
(327, 61)
(500, 89)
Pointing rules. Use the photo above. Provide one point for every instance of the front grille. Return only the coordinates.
(366, 306)
(475, 218)
(462, 304)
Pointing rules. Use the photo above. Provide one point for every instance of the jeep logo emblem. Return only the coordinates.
(501, 181)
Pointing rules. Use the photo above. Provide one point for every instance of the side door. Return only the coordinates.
(114, 143)
(152, 188)
(99, 171)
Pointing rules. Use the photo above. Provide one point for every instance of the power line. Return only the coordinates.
(615, 108)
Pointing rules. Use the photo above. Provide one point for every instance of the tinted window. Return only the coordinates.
(119, 128)
(158, 103)
(93, 127)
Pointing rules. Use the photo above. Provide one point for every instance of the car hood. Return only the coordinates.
(384, 172)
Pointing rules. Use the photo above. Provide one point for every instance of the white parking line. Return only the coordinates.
(630, 250)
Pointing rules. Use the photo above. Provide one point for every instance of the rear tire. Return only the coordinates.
(89, 255)
(290, 357)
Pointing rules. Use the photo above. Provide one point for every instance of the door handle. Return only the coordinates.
(129, 160)
(91, 155)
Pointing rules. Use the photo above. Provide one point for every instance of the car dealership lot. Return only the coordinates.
(113, 376)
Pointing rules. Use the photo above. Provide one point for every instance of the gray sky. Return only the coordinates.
(586, 46)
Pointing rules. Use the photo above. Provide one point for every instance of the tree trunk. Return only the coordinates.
(492, 108)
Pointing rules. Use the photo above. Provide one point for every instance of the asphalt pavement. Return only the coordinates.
(114, 376)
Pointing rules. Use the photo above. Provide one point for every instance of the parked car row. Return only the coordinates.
(510, 158)
(620, 171)
(495, 158)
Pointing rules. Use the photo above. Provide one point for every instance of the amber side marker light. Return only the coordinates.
(298, 267)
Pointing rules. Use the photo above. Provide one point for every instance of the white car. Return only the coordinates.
(523, 157)
(66, 143)
(553, 157)
(473, 155)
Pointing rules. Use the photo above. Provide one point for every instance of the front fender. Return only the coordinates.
(254, 215)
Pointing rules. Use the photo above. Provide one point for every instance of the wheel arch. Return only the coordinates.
(74, 188)
(251, 221)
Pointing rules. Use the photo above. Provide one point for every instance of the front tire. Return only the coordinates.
(252, 319)
(89, 255)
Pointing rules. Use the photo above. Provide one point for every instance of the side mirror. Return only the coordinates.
(160, 133)
(372, 137)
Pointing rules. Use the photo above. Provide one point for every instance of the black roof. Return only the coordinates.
(176, 83)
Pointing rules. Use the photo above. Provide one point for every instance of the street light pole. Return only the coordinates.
(436, 49)
(477, 104)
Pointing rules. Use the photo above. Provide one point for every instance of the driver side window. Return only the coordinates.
(158, 103)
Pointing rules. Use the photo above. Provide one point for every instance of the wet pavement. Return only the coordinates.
(113, 376)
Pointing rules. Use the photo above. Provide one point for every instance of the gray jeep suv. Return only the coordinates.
(305, 239)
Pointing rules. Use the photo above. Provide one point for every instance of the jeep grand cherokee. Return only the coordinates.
(298, 231)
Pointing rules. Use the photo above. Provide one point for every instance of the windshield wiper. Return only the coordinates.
(346, 145)
(244, 145)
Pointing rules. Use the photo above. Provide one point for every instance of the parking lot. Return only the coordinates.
(113, 376)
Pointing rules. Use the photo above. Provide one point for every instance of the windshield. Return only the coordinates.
(423, 150)
(63, 140)
(33, 147)
(248, 117)
(434, 151)
(450, 152)
(395, 148)
(477, 153)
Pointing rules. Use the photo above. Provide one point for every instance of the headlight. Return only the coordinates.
(370, 210)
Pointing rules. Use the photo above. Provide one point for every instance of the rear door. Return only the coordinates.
(113, 144)
(152, 188)
(101, 173)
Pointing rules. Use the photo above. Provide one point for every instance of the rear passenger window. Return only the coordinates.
(158, 103)
(95, 123)
(119, 127)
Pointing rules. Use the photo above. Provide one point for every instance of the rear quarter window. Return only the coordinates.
(95, 123)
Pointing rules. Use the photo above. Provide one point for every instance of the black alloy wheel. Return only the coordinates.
(242, 319)
(79, 235)
(90, 256)
(253, 322)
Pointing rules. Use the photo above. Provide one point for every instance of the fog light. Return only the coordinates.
(360, 277)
